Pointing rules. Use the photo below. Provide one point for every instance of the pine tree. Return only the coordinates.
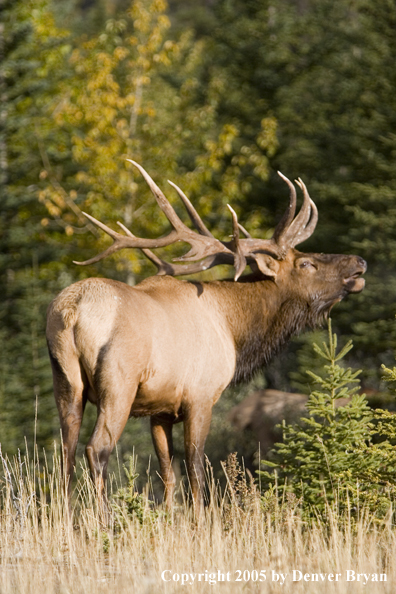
(32, 49)
(341, 453)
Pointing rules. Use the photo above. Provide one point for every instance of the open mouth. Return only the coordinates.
(355, 283)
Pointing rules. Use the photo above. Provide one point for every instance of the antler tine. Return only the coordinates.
(165, 267)
(287, 218)
(121, 242)
(292, 234)
(201, 245)
(246, 233)
(194, 216)
(290, 231)
(239, 256)
(162, 265)
(162, 201)
(100, 256)
(310, 228)
(305, 233)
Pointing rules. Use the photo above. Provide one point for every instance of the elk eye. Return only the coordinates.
(306, 264)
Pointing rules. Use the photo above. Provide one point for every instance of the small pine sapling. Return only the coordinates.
(329, 458)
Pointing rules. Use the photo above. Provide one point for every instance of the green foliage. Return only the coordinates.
(331, 456)
(128, 504)
(32, 49)
(306, 358)
(390, 376)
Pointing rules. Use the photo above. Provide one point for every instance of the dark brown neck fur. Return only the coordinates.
(262, 320)
(258, 346)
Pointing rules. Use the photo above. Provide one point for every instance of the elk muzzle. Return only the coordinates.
(353, 282)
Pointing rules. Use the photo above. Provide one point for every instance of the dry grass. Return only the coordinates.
(42, 550)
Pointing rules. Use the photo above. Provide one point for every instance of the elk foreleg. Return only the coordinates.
(196, 429)
(161, 432)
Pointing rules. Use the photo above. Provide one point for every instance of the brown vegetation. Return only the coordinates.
(239, 534)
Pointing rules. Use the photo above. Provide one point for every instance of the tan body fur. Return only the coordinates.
(160, 325)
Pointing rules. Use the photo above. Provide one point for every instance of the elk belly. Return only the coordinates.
(151, 400)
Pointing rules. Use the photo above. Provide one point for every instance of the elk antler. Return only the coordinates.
(206, 251)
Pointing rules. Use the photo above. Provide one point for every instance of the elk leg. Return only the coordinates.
(70, 400)
(70, 420)
(112, 418)
(196, 429)
(161, 433)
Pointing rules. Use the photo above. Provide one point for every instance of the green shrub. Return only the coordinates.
(128, 505)
(341, 454)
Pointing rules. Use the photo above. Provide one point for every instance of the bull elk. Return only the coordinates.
(168, 348)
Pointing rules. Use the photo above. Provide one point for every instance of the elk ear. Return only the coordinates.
(267, 265)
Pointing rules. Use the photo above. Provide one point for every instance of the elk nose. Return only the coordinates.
(362, 263)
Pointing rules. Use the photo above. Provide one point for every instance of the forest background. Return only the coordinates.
(215, 95)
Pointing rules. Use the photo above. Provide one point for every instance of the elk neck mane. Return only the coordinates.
(262, 320)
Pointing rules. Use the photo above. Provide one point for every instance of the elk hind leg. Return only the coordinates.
(113, 413)
(70, 397)
(161, 433)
